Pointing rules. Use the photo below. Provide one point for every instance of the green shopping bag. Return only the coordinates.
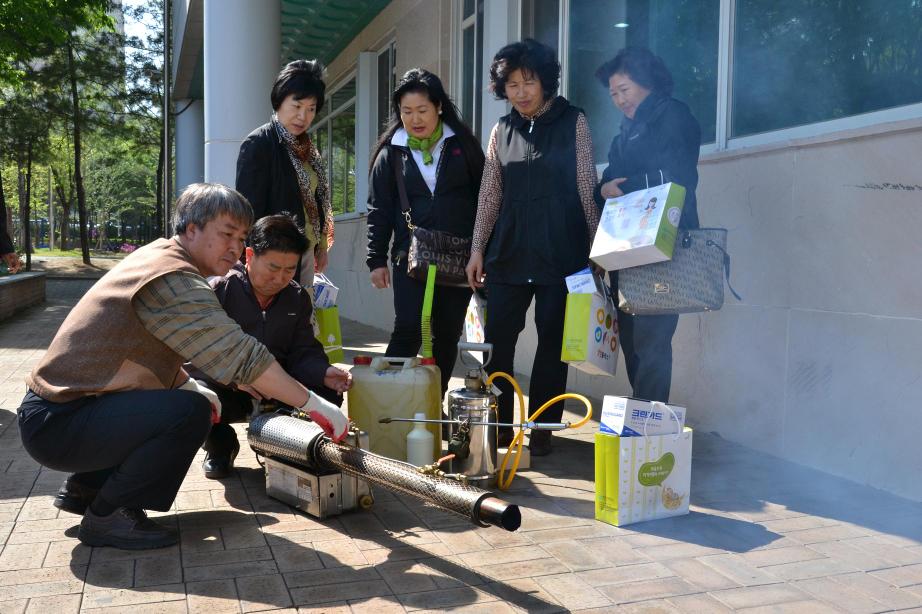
(329, 333)
(642, 478)
(590, 334)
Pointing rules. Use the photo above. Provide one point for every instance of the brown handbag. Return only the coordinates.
(449, 253)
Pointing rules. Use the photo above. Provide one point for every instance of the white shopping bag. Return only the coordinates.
(642, 478)
(638, 228)
(475, 319)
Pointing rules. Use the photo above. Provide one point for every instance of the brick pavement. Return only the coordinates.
(764, 535)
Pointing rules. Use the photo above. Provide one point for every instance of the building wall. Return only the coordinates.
(819, 363)
(422, 28)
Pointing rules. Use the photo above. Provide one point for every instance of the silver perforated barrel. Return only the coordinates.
(303, 443)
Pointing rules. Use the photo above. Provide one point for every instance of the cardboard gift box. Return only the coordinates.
(638, 228)
(633, 417)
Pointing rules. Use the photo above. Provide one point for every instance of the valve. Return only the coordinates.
(460, 442)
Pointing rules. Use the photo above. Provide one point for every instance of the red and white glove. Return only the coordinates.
(212, 396)
(329, 417)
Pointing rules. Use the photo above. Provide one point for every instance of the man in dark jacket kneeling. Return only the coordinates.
(263, 299)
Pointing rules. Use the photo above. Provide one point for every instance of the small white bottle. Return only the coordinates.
(420, 443)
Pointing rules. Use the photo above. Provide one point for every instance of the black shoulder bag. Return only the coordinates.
(449, 253)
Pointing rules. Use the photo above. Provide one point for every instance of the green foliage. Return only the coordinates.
(33, 28)
(119, 81)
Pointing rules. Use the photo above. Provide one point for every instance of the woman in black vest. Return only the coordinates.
(441, 163)
(659, 142)
(280, 170)
(535, 221)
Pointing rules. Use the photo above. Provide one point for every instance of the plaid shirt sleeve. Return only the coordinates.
(182, 311)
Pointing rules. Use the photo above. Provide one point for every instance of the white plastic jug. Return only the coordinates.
(419, 443)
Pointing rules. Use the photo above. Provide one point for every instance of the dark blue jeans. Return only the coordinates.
(507, 305)
(448, 308)
(646, 342)
(135, 447)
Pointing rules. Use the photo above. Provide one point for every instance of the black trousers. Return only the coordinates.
(135, 447)
(449, 304)
(236, 406)
(507, 305)
(646, 342)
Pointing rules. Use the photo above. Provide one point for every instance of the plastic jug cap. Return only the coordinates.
(361, 360)
(427, 360)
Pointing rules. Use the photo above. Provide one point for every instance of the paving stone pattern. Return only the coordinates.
(764, 535)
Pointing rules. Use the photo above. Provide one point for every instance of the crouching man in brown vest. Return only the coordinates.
(110, 403)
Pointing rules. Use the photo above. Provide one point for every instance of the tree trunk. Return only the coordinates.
(21, 195)
(67, 202)
(5, 225)
(27, 217)
(160, 229)
(78, 175)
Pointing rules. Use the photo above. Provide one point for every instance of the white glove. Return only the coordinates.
(328, 416)
(212, 396)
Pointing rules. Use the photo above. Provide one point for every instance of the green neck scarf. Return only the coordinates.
(425, 145)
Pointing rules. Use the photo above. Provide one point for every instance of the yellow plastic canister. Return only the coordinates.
(396, 388)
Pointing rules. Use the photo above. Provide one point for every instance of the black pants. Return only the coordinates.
(135, 447)
(448, 308)
(507, 305)
(646, 342)
(236, 406)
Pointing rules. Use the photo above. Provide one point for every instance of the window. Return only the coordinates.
(471, 54)
(683, 32)
(334, 134)
(541, 21)
(387, 82)
(797, 62)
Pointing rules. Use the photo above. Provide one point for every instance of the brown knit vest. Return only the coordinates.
(102, 346)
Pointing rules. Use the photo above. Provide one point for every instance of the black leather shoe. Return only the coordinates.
(73, 497)
(219, 466)
(125, 528)
(539, 444)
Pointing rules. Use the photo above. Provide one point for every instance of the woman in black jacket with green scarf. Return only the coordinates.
(440, 165)
(658, 143)
(279, 169)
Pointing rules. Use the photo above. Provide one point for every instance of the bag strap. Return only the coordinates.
(711, 243)
(401, 186)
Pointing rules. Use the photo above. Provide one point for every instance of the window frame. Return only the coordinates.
(326, 124)
(724, 109)
(462, 88)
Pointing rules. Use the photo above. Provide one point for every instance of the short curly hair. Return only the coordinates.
(529, 56)
(301, 78)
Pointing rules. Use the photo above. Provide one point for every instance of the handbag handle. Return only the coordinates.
(402, 187)
(686, 242)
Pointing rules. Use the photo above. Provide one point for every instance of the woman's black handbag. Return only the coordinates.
(449, 253)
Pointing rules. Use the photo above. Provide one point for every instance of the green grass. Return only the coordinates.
(57, 252)
(73, 253)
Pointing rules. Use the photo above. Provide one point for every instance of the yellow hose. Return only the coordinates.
(519, 438)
